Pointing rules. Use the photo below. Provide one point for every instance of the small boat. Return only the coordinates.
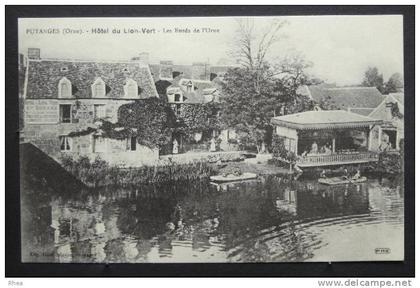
(233, 178)
(340, 180)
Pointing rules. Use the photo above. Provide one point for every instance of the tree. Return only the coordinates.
(372, 78)
(257, 91)
(251, 50)
(395, 82)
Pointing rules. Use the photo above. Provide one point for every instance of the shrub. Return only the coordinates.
(278, 148)
(99, 173)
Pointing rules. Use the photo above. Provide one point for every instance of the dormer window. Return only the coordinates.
(64, 88)
(177, 98)
(131, 89)
(98, 88)
(64, 69)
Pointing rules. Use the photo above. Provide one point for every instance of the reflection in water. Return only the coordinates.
(271, 219)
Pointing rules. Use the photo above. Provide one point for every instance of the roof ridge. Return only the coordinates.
(87, 61)
(348, 88)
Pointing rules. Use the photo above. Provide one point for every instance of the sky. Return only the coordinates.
(340, 48)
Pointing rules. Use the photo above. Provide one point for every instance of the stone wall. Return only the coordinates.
(42, 128)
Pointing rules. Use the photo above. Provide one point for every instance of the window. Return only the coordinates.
(131, 89)
(99, 111)
(99, 144)
(177, 98)
(64, 88)
(65, 143)
(65, 113)
(132, 143)
(98, 88)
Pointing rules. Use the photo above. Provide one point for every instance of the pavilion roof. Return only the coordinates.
(328, 119)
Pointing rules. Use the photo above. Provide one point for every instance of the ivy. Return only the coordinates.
(150, 120)
(153, 121)
(195, 118)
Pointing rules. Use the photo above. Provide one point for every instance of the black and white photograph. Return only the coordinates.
(246, 139)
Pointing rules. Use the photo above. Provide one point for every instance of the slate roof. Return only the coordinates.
(161, 71)
(347, 97)
(325, 119)
(44, 76)
(399, 96)
(362, 111)
(201, 89)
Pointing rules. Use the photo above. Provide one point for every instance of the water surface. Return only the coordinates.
(273, 219)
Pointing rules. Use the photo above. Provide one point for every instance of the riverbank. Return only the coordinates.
(99, 173)
(262, 169)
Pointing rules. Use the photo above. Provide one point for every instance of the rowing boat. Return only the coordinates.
(233, 178)
(340, 180)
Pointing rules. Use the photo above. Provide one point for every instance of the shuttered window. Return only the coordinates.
(65, 143)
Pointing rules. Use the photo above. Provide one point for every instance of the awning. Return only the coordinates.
(329, 119)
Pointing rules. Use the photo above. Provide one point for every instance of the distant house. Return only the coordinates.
(360, 100)
(366, 101)
(196, 84)
(391, 111)
(66, 96)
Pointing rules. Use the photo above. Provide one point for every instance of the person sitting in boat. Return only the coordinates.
(346, 174)
(323, 174)
(357, 175)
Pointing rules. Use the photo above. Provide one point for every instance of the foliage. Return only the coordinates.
(395, 111)
(150, 120)
(249, 110)
(195, 118)
(279, 149)
(99, 173)
(390, 163)
(394, 83)
(372, 78)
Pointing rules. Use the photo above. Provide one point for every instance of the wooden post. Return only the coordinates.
(333, 145)
(379, 136)
(368, 139)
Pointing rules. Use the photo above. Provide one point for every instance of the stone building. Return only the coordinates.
(65, 96)
(391, 112)
(188, 85)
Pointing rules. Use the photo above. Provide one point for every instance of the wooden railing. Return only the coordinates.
(350, 157)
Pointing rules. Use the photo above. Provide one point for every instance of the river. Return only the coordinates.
(273, 219)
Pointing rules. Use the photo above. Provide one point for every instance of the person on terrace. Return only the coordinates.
(314, 148)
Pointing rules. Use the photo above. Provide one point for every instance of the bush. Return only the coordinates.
(277, 147)
(99, 173)
(390, 163)
(279, 150)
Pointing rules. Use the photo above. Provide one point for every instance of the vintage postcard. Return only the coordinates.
(211, 139)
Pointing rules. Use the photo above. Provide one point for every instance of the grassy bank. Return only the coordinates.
(99, 173)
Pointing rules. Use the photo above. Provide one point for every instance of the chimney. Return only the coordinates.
(144, 58)
(199, 71)
(166, 69)
(34, 53)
